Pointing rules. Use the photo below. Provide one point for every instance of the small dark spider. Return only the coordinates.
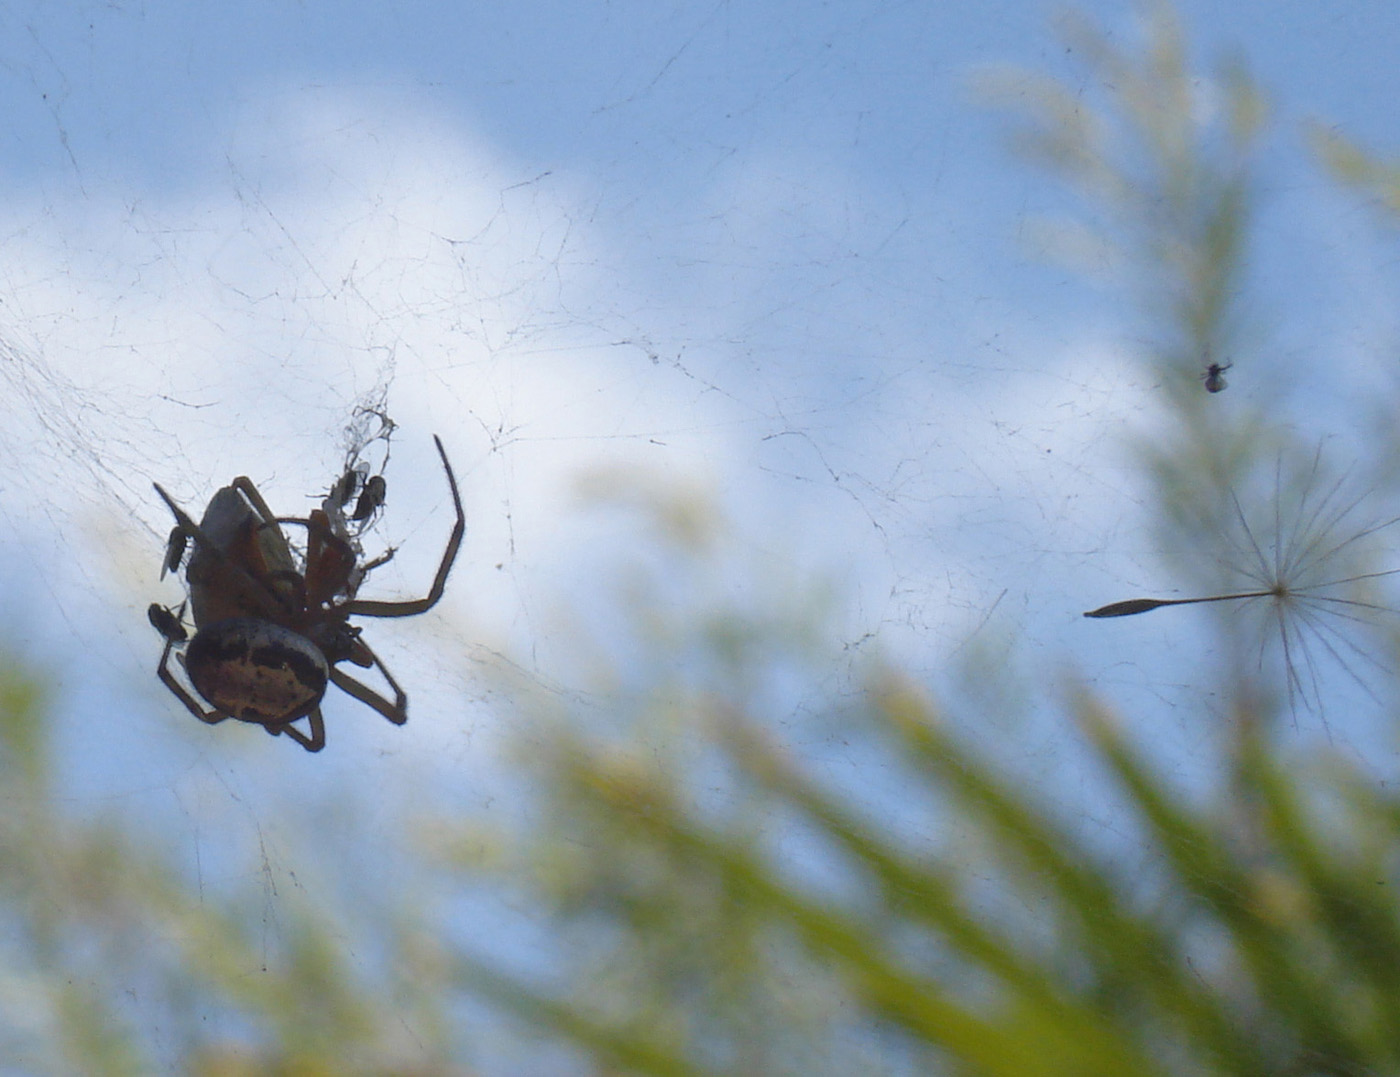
(269, 633)
(1214, 377)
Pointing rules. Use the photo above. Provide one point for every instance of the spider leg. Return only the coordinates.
(331, 533)
(382, 559)
(313, 743)
(268, 529)
(371, 608)
(396, 712)
(167, 678)
(181, 517)
(244, 486)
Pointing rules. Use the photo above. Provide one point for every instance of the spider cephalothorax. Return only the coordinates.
(271, 626)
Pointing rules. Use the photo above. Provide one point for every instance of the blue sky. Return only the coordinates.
(769, 255)
(777, 249)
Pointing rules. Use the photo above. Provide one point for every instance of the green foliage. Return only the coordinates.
(1354, 166)
(1267, 946)
(110, 957)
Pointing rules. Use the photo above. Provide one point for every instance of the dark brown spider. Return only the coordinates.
(270, 631)
(1214, 377)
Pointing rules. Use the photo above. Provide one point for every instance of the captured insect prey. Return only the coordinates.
(371, 497)
(167, 622)
(345, 487)
(174, 551)
(1214, 377)
(272, 620)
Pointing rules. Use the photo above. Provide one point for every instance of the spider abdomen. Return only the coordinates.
(257, 671)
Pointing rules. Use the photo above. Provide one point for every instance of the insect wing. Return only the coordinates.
(344, 488)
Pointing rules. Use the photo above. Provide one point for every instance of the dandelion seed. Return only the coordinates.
(1313, 580)
(1142, 605)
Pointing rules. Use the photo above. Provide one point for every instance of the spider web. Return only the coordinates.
(768, 280)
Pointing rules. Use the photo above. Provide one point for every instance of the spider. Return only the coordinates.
(1214, 377)
(269, 634)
